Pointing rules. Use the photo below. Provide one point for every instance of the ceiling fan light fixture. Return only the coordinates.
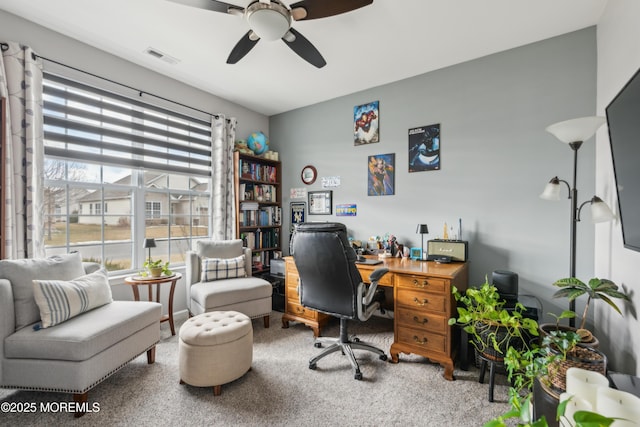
(268, 21)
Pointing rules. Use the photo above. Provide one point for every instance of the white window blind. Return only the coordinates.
(93, 125)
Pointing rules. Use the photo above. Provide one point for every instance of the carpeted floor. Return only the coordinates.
(281, 390)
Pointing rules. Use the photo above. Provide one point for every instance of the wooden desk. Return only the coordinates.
(134, 281)
(423, 305)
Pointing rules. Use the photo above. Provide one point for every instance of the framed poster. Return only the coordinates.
(424, 148)
(298, 212)
(381, 175)
(366, 118)
(320, 202)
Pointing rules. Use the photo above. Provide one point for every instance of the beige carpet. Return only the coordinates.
(280, 389)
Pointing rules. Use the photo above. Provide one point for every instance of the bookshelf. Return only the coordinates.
(258, 184)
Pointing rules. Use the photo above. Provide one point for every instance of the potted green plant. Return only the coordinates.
(156, 268)
(602, 289)
(491, 327)
(538, 362)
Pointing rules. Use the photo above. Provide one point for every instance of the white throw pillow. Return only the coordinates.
(222, 268)
(60, 300)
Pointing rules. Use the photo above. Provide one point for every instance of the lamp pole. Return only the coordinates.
(573, 195)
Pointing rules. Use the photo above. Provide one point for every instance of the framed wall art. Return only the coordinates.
(320, 202)
(381, 175)
(424, 148)
(366, 121)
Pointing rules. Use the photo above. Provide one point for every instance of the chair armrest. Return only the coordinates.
(371, 290)
(378, 273)
(7, 316)
(248, 261)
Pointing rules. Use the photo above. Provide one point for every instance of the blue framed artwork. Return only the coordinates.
(381, 175)
(366, 123)
(424, 148)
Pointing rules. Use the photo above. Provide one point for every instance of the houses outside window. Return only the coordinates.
(118, 170)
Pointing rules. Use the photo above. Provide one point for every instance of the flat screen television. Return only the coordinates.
(623, 118)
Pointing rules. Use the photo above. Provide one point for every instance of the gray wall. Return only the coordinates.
(618, 60)
(496, 158)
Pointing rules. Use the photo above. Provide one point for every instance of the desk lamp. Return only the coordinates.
(574, 132)
(422, 229)
(149, 243)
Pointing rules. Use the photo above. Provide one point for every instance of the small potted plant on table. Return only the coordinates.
(156, 268)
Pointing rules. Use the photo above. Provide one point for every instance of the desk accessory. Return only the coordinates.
(421, 229)
(456, 249)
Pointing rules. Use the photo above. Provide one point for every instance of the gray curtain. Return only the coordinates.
(223, 135)
(23, 153)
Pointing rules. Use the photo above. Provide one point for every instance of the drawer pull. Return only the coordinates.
(421, 342)
(422, 322)
(420, 303)
(419, 284)
(300, 310)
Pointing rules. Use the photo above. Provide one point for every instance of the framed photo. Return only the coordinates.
(320, 202)
(424, 148)
(381, 175)
(366, 120)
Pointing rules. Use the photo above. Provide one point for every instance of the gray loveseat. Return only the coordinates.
(76, 354)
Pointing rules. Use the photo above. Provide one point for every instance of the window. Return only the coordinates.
(118, 170)
(152, 210)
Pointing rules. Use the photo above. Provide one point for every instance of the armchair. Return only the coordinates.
(218, 278)
(331, 283)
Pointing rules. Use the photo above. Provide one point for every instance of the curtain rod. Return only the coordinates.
(5, 46)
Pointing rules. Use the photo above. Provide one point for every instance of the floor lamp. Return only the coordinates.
(574, 132)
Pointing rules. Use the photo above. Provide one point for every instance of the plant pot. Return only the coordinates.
(155, 271)
(502, 336)
(546, 328)
(587, 358)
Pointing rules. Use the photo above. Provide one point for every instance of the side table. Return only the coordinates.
(134, 281)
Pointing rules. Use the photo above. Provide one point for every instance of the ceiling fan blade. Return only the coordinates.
(243, 47)
(322, 8)
(305, 49)
(214, 5)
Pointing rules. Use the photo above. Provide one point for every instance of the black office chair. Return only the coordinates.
(331, 283)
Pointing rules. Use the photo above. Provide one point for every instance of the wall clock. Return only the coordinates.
(309, 174)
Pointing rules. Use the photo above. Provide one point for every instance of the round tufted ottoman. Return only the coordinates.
(215, 348)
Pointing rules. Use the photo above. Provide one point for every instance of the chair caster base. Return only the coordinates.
(317, 345)
(358, 375)
(312, 366)
(383, 357)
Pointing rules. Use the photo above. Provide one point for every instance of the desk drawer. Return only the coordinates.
(387, 279)
(421, 339)
(298, 310)
(421, 300)
(292, 292)
(425, 321)
(421, 282)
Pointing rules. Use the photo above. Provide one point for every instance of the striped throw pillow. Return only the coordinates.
(222, 268)
(60, 300)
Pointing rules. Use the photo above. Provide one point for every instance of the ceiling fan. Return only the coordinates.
(271, 20)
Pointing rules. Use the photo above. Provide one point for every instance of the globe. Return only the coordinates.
(258, 143)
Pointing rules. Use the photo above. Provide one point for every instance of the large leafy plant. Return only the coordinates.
(603, 289)
(482, 315)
